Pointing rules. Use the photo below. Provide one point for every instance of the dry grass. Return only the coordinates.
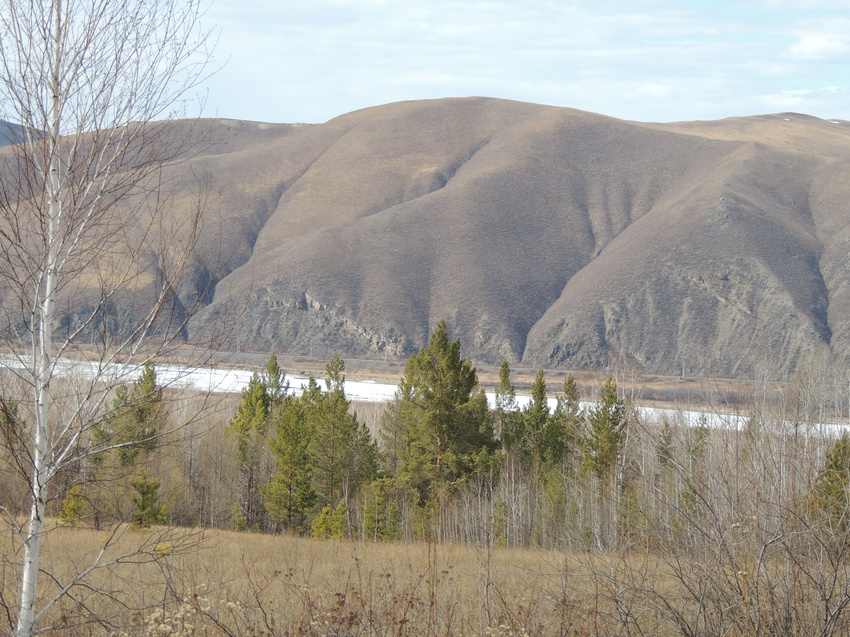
(183, 583)
(249, 584)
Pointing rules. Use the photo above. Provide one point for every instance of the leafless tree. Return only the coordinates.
(93, 241)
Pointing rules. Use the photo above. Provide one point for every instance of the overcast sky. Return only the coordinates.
(646, 60)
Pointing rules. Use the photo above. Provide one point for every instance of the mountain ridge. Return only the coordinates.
(581, 185)
(542, 234)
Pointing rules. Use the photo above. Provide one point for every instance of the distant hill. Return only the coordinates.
(10, 133)
(547, 235)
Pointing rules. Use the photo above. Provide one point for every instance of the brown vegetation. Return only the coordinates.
(739, 528)
(548, 235)
(250, 584)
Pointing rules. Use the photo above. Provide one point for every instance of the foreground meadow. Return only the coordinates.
(182, 582)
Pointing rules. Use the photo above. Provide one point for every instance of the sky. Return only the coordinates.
(647, 60)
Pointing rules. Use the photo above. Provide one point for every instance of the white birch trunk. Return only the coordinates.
(43, 345)
(97, 73)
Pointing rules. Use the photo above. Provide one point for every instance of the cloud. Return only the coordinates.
(816, 48)
(808, 100)
(645, 59)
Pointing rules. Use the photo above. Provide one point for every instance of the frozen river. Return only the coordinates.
(233, 381)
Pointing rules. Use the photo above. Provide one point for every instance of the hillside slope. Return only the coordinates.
(548, 235)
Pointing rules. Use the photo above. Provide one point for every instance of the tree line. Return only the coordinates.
(439, 464)
(759, 510)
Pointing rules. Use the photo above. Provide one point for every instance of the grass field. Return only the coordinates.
(223, 583)
(182, 583)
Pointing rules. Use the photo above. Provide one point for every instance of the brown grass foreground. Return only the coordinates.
(182, 583)
(189, 583)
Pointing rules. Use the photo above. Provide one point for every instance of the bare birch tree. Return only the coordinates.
(92, 249)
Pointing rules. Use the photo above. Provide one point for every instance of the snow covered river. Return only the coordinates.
(208, 379)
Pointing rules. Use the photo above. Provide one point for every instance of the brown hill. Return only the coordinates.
(543, 234)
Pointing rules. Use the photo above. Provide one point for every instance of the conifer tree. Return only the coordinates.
(331, 525)
(602, 442)
(129, 434)
(829, 498)
(449, 433)
(289, 494)
(536, 422)
(560, 435)
(508, 418)
(323, 453)
(148, 510)
(249, 428)
(132, 426)
(381, 513)
(393, 432)
(342, 449)
(277, 386)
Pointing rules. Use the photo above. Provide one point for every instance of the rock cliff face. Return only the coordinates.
(543, 234)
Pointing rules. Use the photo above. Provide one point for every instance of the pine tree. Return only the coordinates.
(393, 432)
(274, 379)
(829, 498)
(331, 525)
(148, 510)
(536, 423)
(560, 436)
(342, 449)
(508, 418)
(323, 453)
(133, 423)
(74, 508)
(277, 387)
(602, 442)
(381, 513)
(128, 434)
(249, 428)
(449, 434)
(289, 494)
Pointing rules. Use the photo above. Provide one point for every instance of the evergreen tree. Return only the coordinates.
(449, 434)
(277, 387)
(132, 426)
(381, 513)
(275, 381)
(551, 521)
(148, 510)
(331, 525)
(560, 435)
(829, 498)
(342, 449)
(603, 440)
(602, 443)
(289, 494)
(74, 508)
(536, 418)
(393, 433)
(323, 453)
(249, 428)
(508, 418)
(129, 433)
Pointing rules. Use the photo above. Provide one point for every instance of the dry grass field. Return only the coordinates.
(182, 583)
(224, 583)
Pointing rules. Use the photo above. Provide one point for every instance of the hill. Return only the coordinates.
(548, 235)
